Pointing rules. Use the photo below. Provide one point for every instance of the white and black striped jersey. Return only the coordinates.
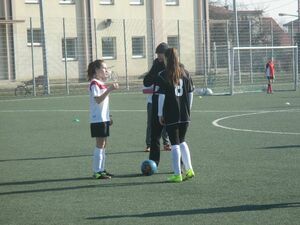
(177, 98)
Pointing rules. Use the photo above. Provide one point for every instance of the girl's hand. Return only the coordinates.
(110, 120)
(114, 86)
(161, 120)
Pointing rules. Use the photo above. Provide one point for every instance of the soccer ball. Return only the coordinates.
(148, 167)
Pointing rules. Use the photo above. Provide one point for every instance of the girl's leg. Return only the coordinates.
(184, 148)
(176, 155)
(186, 156)
(173, 132)
(148, 130)
(99, 155)
(269, 86)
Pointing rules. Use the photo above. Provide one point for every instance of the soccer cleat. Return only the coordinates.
(189, 174)
(101, 175)
(175, 178)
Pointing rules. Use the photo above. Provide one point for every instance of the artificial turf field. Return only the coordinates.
(245, 153)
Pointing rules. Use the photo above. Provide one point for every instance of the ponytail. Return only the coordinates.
(173, 69)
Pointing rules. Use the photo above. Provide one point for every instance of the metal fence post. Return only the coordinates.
(45, 63)
(272, 40)
(296, 64)
(178, 39)
(96, 46)
(250, 44)
(232, 72)
(215, 57)
(66, 56)
(229, 62)
(32, 58)
(125, 54)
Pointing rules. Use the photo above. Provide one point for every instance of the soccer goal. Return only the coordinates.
(247, 68)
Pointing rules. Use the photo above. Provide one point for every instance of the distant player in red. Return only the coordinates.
(270, 74)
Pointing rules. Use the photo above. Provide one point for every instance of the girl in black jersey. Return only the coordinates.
(174, 107)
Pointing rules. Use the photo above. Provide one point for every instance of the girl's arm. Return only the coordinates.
(191, 100)
(112, 87)
(161, 101)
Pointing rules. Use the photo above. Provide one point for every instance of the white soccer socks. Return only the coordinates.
(176, 155)
(186, 156)
(98, 160)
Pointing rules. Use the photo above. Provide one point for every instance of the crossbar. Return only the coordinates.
(266, 47)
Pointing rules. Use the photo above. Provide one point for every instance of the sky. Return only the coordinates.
(270, 7)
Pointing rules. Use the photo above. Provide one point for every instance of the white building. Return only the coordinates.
(123, 32)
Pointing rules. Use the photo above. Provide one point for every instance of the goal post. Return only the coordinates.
(249, 76)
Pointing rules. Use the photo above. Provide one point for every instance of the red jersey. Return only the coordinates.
(270, 70)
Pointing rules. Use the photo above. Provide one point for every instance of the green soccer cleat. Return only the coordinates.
(101, 175)
(175, 178)
(189, 174)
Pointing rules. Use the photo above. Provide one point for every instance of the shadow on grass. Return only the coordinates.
(46, 158)
(65, 157)
(229, 209)
(29, 182)
(281, 147)
(100, 184)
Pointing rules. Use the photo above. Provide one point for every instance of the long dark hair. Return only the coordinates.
(173, 68)
(93, 66)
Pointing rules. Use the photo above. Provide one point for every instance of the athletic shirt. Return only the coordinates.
(176, 104)
(98, 112)
(270, 69)
(151, 80)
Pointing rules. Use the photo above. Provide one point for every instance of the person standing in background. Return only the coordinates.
(154, 128)
(270, 74)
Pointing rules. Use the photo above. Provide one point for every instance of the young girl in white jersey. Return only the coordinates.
(100, 119)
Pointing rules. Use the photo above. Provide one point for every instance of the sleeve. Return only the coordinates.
(150, 76)
(96, 91)
(190, 91)
(191, 85)
(191, 96)
(160, 83)
(161, 102)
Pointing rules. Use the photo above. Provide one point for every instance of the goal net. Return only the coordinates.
(247, 68)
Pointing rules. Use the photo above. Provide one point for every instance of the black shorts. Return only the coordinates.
(177, 132)
(100, 129)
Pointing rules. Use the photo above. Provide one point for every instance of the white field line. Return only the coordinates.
(216, 123)
(121, 110)
(64, 110)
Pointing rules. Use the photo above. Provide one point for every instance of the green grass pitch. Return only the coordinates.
(245, 152)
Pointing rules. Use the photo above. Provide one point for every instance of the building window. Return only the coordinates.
(36, 36)
(66, 2)
(71, 49)
(106, 2)
(136, 2)
(138, 47)
(173, 42)
(32, 1)
(109, 47)
(172, 2)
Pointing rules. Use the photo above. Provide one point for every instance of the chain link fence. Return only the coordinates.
(54, 60)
